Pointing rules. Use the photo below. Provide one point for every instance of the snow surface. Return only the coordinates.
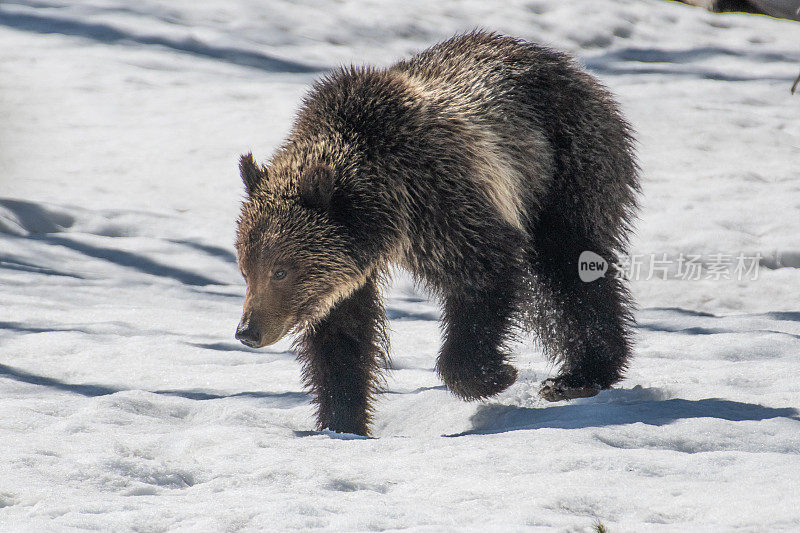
(126, 404)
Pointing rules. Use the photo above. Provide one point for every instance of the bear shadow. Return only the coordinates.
(618, 407)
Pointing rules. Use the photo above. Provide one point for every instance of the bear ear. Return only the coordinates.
(251, 174)
(316, 186)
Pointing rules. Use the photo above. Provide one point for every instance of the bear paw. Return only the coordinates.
(566, 388)
(487, 382)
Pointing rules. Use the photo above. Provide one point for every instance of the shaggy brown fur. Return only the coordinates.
(484, 165)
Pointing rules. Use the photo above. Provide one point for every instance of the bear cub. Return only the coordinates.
(485, 166)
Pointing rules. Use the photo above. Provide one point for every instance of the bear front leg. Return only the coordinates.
(472, 362)
(342, 357)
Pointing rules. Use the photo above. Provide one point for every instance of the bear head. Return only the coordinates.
(296, 259)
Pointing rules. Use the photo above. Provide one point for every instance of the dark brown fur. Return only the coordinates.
(485, 166)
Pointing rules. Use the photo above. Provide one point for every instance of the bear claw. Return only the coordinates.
(557, 389)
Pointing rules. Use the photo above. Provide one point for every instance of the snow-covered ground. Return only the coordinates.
(126, 404)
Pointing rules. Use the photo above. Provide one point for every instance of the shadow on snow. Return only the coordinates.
(9, 263)
(130, 260)
(103, 390)
(238, 347)
(44, 225)
(710, 331)
(593, 413)
(105, 33)
(208, 249)
(660, 326)
(678, 63)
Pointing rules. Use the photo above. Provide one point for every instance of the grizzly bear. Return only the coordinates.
(485, 166)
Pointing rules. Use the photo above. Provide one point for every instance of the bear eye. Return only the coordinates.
(279, 275)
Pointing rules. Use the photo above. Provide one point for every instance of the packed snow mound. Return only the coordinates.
(19, 217)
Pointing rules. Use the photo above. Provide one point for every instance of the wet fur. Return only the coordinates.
(484, 165)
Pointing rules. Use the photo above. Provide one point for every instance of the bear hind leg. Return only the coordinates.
(583, 325)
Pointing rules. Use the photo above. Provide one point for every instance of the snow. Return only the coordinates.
(126, 404)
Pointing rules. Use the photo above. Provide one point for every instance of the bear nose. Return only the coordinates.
(248, 334)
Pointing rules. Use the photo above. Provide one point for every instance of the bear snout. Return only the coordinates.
(247, 332)
(257, 333)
